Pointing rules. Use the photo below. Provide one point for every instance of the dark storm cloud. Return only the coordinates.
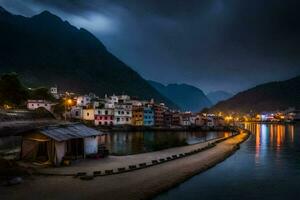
(213, 44)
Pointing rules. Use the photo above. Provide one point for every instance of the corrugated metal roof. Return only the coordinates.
(67, 132)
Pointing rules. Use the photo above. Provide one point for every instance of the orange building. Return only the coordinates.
(137, 116)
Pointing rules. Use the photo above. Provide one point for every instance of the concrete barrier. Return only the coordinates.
(132, 166)
(142, 164)
(154, 161)
(121, 169)
(97, 173)
(109, 171)
(79, 174)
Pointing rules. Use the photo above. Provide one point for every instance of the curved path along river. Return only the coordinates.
(267, 166)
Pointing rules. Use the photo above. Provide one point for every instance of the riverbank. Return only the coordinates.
(138, 184)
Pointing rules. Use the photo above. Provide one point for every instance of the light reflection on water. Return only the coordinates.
(123, 143)
(266, 167)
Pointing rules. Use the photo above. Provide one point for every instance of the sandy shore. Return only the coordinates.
(139, 184)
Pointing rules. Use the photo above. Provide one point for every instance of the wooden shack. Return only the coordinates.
(52, 144)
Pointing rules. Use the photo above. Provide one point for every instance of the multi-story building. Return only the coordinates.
(168, 118)
(104, 117)
(176, 119)
(123, 114)
(218, 121)
(54, 92)
(88, 114)
(148, 116)
(193, 119)
(185, 119)
(83, 100)
(200, 120)
(158, 115)
(137, 116)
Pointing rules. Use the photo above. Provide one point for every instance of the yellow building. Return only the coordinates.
(137, 116)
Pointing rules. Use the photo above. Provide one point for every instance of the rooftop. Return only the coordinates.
(66, 132)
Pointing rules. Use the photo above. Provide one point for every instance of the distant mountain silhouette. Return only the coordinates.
(46, 50)
(266, 97)
(218, 96)
(187, 97)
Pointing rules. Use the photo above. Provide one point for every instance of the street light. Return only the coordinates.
(68, 102)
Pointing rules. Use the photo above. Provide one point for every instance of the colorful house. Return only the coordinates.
(88, 114)
(104, 117)
(148, 116)
(123, 114)
(158, 115)
(176, 119)
(137, 116)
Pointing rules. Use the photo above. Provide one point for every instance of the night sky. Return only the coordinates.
(213, 44)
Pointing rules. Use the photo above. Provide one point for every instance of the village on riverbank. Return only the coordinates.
(124, 110)
(61, 136)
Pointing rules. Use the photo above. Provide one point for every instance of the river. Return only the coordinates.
(126, 143)
(267, 167)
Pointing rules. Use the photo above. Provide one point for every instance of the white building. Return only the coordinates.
(34, 104)
(83, 100)
(123, 114)
(193, 119)
(54, 92)
(185, 119)
(210, 121)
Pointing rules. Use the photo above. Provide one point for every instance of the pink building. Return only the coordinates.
(104, 117)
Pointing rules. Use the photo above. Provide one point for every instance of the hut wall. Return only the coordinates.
(60, 148)
(91, 145)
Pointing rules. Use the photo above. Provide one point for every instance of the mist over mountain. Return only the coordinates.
(47, 51)
(187, 97)
(271, 96)
(218, 96)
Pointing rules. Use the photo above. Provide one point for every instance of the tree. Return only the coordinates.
(12, 92)
(41, 93)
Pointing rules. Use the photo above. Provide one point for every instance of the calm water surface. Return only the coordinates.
(266, 167)
(123, 143)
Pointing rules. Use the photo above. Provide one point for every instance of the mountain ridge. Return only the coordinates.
(187, 97)
(45, 50)
(218, 96)
(272, 96)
